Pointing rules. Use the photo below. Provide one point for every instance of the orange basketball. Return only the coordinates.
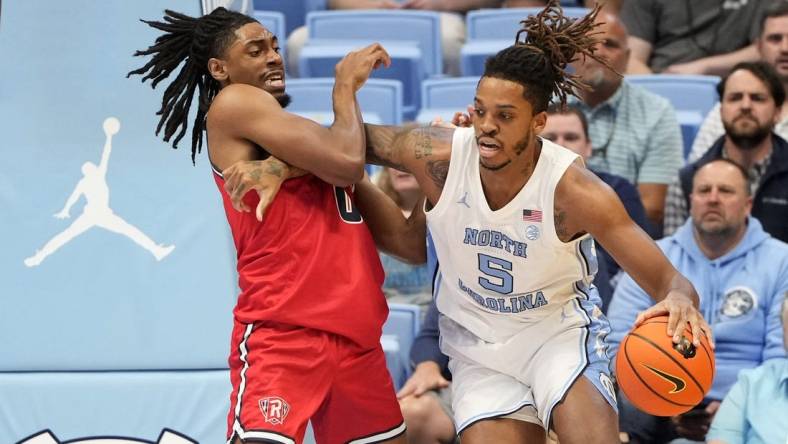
(662, 378)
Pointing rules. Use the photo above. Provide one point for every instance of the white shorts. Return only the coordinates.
(525, 377)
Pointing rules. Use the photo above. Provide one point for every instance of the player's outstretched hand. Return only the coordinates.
(680, 311)
(463, 120)
(460, 119)
(427, 376)
(358, 65)
(263, 176)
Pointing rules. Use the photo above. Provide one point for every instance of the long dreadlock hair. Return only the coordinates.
(190, 42)
(539, 60)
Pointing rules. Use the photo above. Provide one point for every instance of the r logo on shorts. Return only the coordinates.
(274, 409)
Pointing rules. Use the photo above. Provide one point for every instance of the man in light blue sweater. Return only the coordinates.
(741, 274)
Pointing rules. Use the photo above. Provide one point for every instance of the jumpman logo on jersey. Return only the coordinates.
(464, 200)
(97, 212)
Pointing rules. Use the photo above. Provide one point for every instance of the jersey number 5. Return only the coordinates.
(347, 211)
(497, 268)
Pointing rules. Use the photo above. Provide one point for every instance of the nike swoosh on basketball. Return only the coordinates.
(678, 383)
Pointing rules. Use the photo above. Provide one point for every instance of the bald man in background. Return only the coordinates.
(634, 133)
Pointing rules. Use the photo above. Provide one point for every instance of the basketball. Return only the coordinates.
(662, 378)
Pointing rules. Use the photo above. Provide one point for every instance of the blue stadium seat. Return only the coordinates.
(444, 97)
(491, 30)
(293, 10)
(273, 21)
(412, 38)
(380, 100)
(399, 331)
(693, 96)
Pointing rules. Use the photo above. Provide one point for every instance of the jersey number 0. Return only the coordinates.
(347, 210)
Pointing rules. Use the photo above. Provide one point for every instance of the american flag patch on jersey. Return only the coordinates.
(532, 215)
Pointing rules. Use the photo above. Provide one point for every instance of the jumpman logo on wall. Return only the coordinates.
(97, 212)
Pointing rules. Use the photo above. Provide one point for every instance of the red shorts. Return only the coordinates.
(283, 376)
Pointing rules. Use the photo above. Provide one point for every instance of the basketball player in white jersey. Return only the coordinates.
(512, 217)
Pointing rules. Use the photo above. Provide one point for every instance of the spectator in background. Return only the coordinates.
(569, 128)
(773, 49)
(751, 98)
(634, 132)
(741, 274)
(452, 25)
(691, 37)
(425, 398)
(405, 283)
(747, 412)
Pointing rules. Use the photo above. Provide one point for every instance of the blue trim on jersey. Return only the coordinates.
(587, 257)
(579, 371)
(483, 416)
(433, 265)
(578, 289)
(592, 365)
(598, 330)
(436, 284)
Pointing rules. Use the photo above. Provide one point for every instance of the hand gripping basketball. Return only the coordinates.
(680, 313)
(661, 377)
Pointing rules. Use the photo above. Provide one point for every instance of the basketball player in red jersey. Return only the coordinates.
(306, 340)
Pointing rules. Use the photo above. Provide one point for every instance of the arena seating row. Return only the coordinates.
(381, 100)
(295, 11)
(412, 38)
(417, 63)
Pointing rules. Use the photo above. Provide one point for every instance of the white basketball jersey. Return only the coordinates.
(499, 270)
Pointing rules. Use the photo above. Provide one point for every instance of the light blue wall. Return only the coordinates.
(101, 302)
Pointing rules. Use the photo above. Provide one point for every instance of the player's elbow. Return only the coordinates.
(415, 256)
(349, 172)
(412, 251)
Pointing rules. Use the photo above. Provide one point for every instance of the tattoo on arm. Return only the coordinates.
(438, 170)
(383, 144)
(276, 168)
(423, 146)
(388, 146)
(273, 167)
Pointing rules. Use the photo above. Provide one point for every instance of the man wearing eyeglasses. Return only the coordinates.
(634, 133)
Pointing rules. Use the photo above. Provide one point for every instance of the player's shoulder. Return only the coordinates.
(578, 175)
(238, 97)
(580, 186)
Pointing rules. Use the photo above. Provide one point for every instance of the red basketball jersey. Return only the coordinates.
(311, 262)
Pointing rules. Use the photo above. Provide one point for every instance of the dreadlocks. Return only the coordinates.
(190, 41)
(539, 61)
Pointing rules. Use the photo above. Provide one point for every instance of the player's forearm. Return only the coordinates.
(392, 232)
(346, 135)
(681, 284)
(653, 197)
(384, 144)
